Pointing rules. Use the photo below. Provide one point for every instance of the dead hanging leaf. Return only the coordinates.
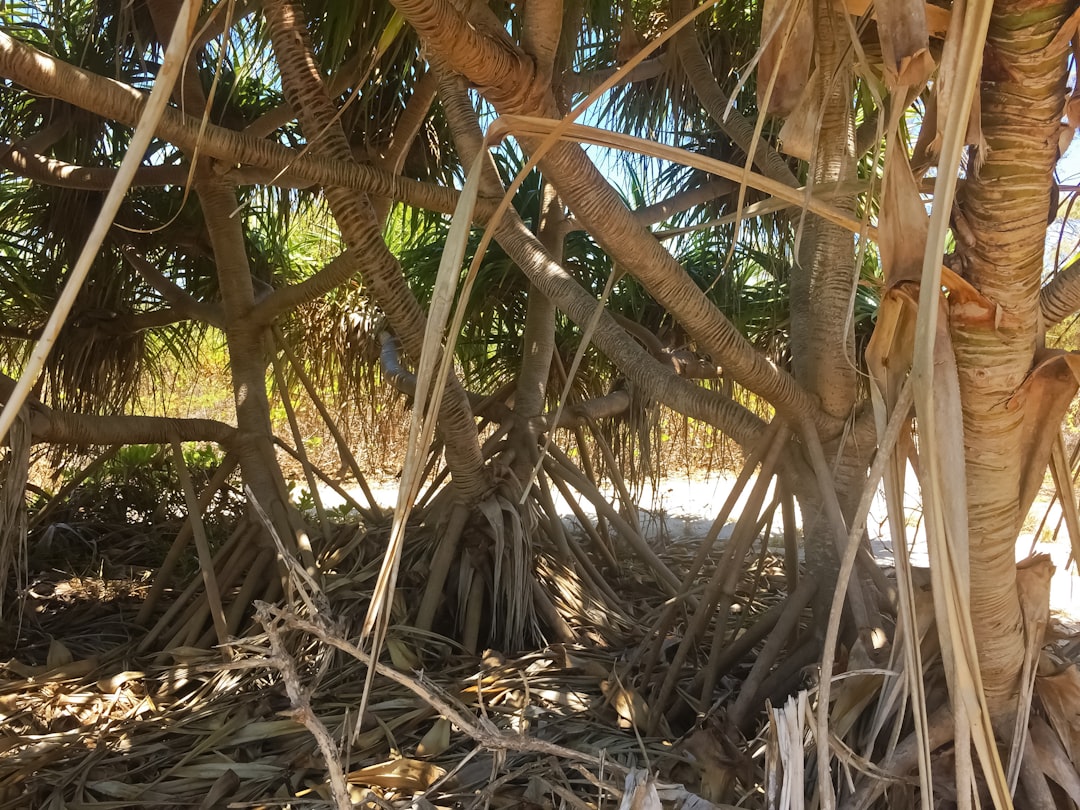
(1059, 694)
(924, 153)
(903, 224)
(905, 42)
(1044, 396)
(402, 656)
(958, 80)
(787, 28)
(436, 740)
(1061, 470)
(974, 135)
(58, 656)
(639, 792)
(1053, 759)
(1065, 33)
(797, 134)
(398, 774)
(1033, 577)
(629, 705)
(937, 18)
(1033, 588)
(1072, 109)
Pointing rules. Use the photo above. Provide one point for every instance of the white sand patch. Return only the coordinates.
(682, 509)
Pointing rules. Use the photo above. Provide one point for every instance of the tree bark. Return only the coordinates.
(48, 76)
(1004, 204)
(362, 232)
(246, 339)
(822, 290)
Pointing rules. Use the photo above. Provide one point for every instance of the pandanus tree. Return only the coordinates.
(956, 375)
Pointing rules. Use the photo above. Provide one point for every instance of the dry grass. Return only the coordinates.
(87, 722)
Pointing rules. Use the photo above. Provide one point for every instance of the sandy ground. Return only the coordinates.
(681, 510)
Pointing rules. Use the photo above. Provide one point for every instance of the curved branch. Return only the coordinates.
(336, 272)
(91, 324)
(644, 336)
(41, 169)
(51, 172)
(114, 100)
(598, 206)
(700, 74)
(278, 117)
(639, 366)
(61, 427)
(406, 128)
(355, 216)
(479, 49)
(1060, 297)
(128, 323)
(636, 363)
(574, 415)
(179, 299)
(684, 200)
(84, 429)
(588, 81)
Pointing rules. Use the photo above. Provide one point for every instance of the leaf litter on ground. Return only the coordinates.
(90, 722)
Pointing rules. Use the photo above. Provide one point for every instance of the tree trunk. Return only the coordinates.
(246, 339)
(530, 395)
(248, 351)
(1004, 203)
(822, 289)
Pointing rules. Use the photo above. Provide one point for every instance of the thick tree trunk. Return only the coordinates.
(1004, 205)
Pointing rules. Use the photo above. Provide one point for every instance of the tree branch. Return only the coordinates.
(631, 359)
(339, 270)
(406, 128)
(684, 200)
(639, 366)
(278, 117)
(51, 172)
(41, 169)
(598, 206)
(478, 48)
(1060, 296)
(179, 299)
(60, 427)
(700, 74)
(303, 86)
(119, 102)
(586, 82)
(493, 408)
(541, 28)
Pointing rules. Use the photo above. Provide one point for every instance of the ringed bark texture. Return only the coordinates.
(1005, 204)
(363, 233)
